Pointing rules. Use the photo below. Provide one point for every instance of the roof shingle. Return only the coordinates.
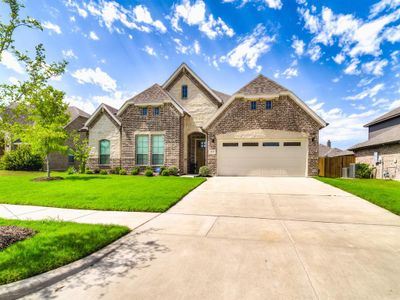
(390, 115)
(261, 85)
(388, 137)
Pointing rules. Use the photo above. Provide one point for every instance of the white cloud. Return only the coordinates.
(186, 49)
(290, 72)
(96, 77)
(274, 4)
(352, 68)
(368, 92)
(339, 58)
(249, 49)
(93, 36)
(150, 51)
(196, 47)
(383, 5)
(393, 34)
(51, 26)
(336, 79)
(394, 104)
(79, 102)
(298, 46)
(314, 52)
(142, 15)
(69, 53)
(10, 62)
(375, 67)
(195, 15)
(72, 19)
(13, 80)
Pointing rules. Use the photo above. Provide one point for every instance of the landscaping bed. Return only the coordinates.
(12, 234)
(384, 193)
(46, 245)
(100, 192)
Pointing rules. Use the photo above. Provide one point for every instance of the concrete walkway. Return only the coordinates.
(252, 238)
(28, 212)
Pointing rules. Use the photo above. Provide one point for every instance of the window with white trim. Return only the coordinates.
(142, 150)
(157, 150)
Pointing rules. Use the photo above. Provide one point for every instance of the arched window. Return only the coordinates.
(104, 152)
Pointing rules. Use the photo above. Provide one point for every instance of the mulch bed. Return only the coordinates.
(12, 234)
(48, 178)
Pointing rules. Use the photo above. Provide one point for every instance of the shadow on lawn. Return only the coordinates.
(85, 178)
(134, 254)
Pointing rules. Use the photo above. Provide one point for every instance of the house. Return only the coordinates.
(333, 160)
(382, 149)
(58, 161)
(261, 130)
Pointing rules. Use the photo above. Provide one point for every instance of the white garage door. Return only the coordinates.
(262, 157)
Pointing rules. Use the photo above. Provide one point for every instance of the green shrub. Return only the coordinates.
(363, 170)
(115, 170)
(103, 172)
(71, 170)
(96, 171)
(149, 168)
(148, 172)
(173, 171)
(135, 171)
(162, 168)
(123, 172)
(165, 172)
(88, 171)
(204, 171)
(22, 159)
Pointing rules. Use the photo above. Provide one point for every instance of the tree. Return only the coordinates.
(7, 29)
(80, 150)
(47, 113)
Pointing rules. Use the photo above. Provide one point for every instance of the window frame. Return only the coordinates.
(250, 144)
(251, 105)
(271, 144)
(292, 144)
(157, 163)
(107, 156)
(156, 109)
(184, 91)
(144, 111)
(268, 104)
(145, 160)
(228, 144)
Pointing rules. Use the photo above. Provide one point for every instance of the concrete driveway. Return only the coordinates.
(252, 238)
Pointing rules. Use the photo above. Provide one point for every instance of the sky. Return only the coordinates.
(340, 57)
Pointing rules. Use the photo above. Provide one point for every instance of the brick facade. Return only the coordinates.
(390, 155)
(285, 115)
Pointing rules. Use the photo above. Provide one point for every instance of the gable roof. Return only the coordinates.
(390, 115)
(104, 108)
(325, 151)
(263, 87)
(390, 136)
(184, 69)
(224, 97)
(152, 96)
(77, 112)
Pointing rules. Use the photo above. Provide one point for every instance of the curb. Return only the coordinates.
(31, 285)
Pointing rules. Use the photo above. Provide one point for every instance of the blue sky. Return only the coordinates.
(341, 57)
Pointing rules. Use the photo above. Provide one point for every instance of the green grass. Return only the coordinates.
(384, 193)
(55, 244)
(100, 192)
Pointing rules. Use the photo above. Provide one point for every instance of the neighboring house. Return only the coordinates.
(382, 149)
(263, 129)
(333, 160)
(58, 161)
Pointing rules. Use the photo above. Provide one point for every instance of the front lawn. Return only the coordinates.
(384, 193)
(101, 192)
(55, 244)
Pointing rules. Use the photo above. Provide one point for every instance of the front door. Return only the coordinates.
(200, 153)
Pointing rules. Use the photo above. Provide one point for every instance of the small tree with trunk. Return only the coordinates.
(80, 150)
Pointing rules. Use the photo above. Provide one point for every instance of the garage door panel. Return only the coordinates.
(262, 160)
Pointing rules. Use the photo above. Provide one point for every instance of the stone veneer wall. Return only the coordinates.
(390, 155)
(169, 123)
(285, 115)
(104, 127)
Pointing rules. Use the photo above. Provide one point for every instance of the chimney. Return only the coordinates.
(329, 144)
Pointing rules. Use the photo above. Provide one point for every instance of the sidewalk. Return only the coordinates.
(28, 212)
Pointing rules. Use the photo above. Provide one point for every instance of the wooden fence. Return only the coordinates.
(332, 166)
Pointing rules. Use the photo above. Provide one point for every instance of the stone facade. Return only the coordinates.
(168, 123)
(104, 128)
(286, 115)
(390, 155)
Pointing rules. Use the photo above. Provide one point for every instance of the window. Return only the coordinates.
(143, 111)
(271, 144)
(142, 149)
(71, 158)
(184, 91)
(230, 144)
(253, 105)
(202, 144)
(250, 144)
(104, 152)
(157, 150)
(268, 105)
(291, 144)
(156, 111)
